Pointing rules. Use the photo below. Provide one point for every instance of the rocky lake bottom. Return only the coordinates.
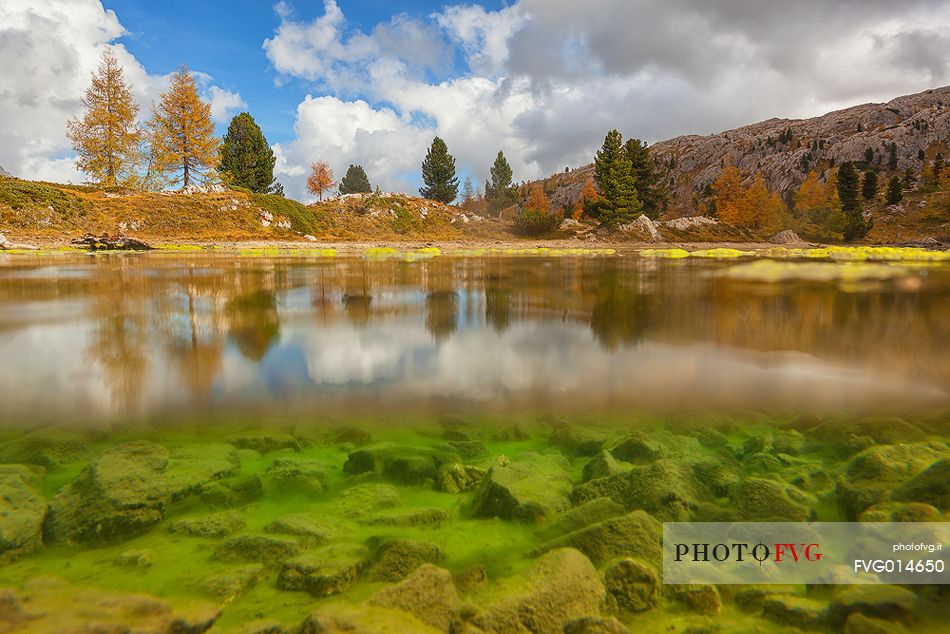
(446, 523)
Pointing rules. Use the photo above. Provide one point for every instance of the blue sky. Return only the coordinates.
(371, 82)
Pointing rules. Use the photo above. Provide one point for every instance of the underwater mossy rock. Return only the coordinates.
(596, 510)
(603, 465)
(577, 440)
(529, 488)
(857, 623)
(266, 442)
(229, 584)
(757, 499)
(136, 558)
(637, 448)
(211, 525)
(53, 606)
(930, 486)
(429, 594)
(719, 474)
(432, 517)
(397, 558)
(665, 488)
(298, 474)
(632, 586)
(793, 611)
(872, 475)
(233, 492)
(50, 449)
(889, 602)
(700, 598)
(364, 499)
(398, 463)
(901, 512)
(457, 477)
(560, 586)
(344, 618)
(636, 535)
(120, 494)
(22, 510)
(266, 549)
(595, 625)
(192, 467)
(466, 449)
(325, 571)
(844, 438)
(313, 527)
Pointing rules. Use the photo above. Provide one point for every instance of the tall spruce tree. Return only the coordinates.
(106, 138)
(499, 192)
(895, 190)
(355, 181)
(649, 187)
(616, 178)
(247, 160)
(869, 186)
(438, 173)
(856, 226)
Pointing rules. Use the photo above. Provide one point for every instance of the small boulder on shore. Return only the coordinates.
(105, 242)
(785, 237)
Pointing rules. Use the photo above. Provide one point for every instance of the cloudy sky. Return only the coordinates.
(371, 82)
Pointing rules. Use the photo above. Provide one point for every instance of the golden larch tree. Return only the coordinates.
(537, 201)
(762, 209)
(811, 195)
(184, 145)
(320, 179)
(107, 138)
(588, 195)
(729, 195)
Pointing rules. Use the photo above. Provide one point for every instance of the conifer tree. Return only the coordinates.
(895, 190)
(856, 226)
(438, 173)
(184, 146)
(869, 186)
(355, 181)
(106, 138)
(649, 188)
(499, 192)
(468, 190)
(617, 181)
(247, 160)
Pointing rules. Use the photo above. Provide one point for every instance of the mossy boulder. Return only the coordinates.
(266, 442)
(430, 516)
(559, 587)
(399, 463)
(191, 468)
(758, 499)
(314, 527)
(137, 558)
(457, 477)
(802, 612)
(395, 559)
(901, 512)
(429, 594)
(873, 474)
(700, 598)
(364, 499)
(344, 618)
(325, 571)
(233, 492)
(889, 602)
(120, 494)
(638, 448)
(636, 535)
(265, 549)
(298, 474)
(232, 582)
(578, 440)
(595, 625)
(603, 465)
(632, 586)
(211, 525)
(718, 474)
(857, 623)
(930, 486)
(22, 510)
(591, 512)
(529, 488)
(665, 488)
(466, 449)
(50, 449)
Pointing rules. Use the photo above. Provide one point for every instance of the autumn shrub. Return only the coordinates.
(404, 221)
(535, 217)
(303, 219)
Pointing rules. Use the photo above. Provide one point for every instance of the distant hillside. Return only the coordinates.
(903, 134)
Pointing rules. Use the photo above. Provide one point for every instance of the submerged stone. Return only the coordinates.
(139, 558)
(758, 499)
(596, 510)
(192, 467)
(324, 571)
(457, 477)
(307, 525)
(266, 549)
(931, 486)
(665, 488)
(528, 488)
(636, 535)
(800, 612)
(22, 510)
(233, 492)
(429, 594)
(364, 499)
(396, 558)
(578, 440)
(632, 586)
(595, 625)
(880, 601)
(344, 618)
(47, 448)
(212, 525)
(559, 587)
(298, 474)
(227, 585)
(603, 465)
(409, 517)
(266, 442)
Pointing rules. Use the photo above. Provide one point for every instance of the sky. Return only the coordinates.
(371, 82)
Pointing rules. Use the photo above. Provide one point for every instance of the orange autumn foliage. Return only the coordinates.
(320, 179)
(588, 195)
(754, 207)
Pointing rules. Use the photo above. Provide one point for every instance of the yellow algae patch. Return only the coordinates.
(670, 254)
(721, 253)
(183, 247)
(380, 252)
(861, 254)
(531, 251)
(773, 271)
(429, 251)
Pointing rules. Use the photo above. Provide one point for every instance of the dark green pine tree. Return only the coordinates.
(499, 192)
(869, 186)
(438, 173)
(649, 186)
(895, 190)
(856, 226)
(355, 181)
(617, 181)
(246, 159)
